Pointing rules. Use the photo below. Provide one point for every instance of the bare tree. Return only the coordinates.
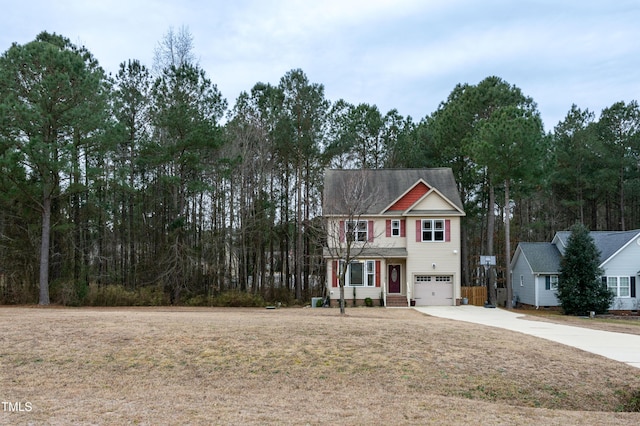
(175, 49)
(348, 234)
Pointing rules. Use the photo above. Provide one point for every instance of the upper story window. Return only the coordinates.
(395, 228)
(433, 230)
(357, 230)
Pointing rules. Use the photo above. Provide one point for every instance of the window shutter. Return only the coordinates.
(447, 230)
(388, 227)
(547, 282)
(377, 273)
(334, 275)
(403, 228)
(604, 280)
(418, 231)
(370, 230)
(341, 231)
(633, 286)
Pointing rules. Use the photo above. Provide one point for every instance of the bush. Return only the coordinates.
(117, 295)
(69, 293)
(630, 400)
(368, 302)
(229, 299)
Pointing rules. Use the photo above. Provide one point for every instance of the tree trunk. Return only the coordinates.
(491, 224)
(507, 245)
(44, 249)
(298, 266)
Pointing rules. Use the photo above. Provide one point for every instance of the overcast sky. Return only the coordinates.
(402, 54)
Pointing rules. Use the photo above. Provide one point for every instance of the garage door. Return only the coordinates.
(433, 290)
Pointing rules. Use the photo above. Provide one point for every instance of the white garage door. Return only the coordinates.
(433, 290)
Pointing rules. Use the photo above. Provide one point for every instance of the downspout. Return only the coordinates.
(535, 289)
(384, 293)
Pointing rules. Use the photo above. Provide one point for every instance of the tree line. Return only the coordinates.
(148, 181)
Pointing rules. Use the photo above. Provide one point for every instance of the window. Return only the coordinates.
(433, 230)
(434, 278)
(360, 273)
(621, 286)
(521, 280)
(356, 230)
(551, 282)
(395, 228)
(371, 273)
(355, 274)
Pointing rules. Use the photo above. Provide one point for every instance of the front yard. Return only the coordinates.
(294, 366)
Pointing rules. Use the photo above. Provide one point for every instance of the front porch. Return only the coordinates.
(397, 301)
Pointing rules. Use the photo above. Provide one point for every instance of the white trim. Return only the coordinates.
(616, 290)
(433, 230)
(399, 228)
(366, 263)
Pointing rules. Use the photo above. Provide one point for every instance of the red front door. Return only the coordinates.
(394, 278)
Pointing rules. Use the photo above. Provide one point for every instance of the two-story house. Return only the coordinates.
(399, 229)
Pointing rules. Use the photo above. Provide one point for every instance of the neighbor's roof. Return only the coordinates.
(387, 185)
(544, 258)
(608, 242)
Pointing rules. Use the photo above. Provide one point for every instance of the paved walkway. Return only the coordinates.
(618, 346)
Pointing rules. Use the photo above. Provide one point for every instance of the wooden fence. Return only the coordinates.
(477, 295)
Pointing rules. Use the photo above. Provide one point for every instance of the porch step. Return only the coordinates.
(396, 301)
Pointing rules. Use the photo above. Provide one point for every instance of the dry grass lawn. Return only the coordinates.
(157, 366)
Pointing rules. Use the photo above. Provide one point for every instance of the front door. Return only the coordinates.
(394, 278)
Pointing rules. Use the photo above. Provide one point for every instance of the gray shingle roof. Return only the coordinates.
(387, 185)
(542, 257)
(608, 242)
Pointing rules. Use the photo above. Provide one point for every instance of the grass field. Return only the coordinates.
(295, 366)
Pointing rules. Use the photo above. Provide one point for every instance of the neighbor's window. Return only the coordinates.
(433, 230)
(551, 282)
(357, 230)
(621, 286)
(395, 228)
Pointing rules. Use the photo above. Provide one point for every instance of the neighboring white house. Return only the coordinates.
(407, 236)
(536, 267)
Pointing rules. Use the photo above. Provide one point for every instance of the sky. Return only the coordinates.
(406, 55)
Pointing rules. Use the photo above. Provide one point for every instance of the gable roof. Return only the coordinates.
(543, 258)
(410, 196)
(608, 242)
(388, 185)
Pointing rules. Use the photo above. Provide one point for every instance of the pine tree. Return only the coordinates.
(580, 287)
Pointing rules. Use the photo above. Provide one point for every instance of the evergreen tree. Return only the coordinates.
(580, 287)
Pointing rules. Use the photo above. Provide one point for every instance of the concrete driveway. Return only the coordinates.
(618, 346)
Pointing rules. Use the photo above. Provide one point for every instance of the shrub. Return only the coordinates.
(368, 302)
(117, 295)
(630, 400)
(230, 299)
